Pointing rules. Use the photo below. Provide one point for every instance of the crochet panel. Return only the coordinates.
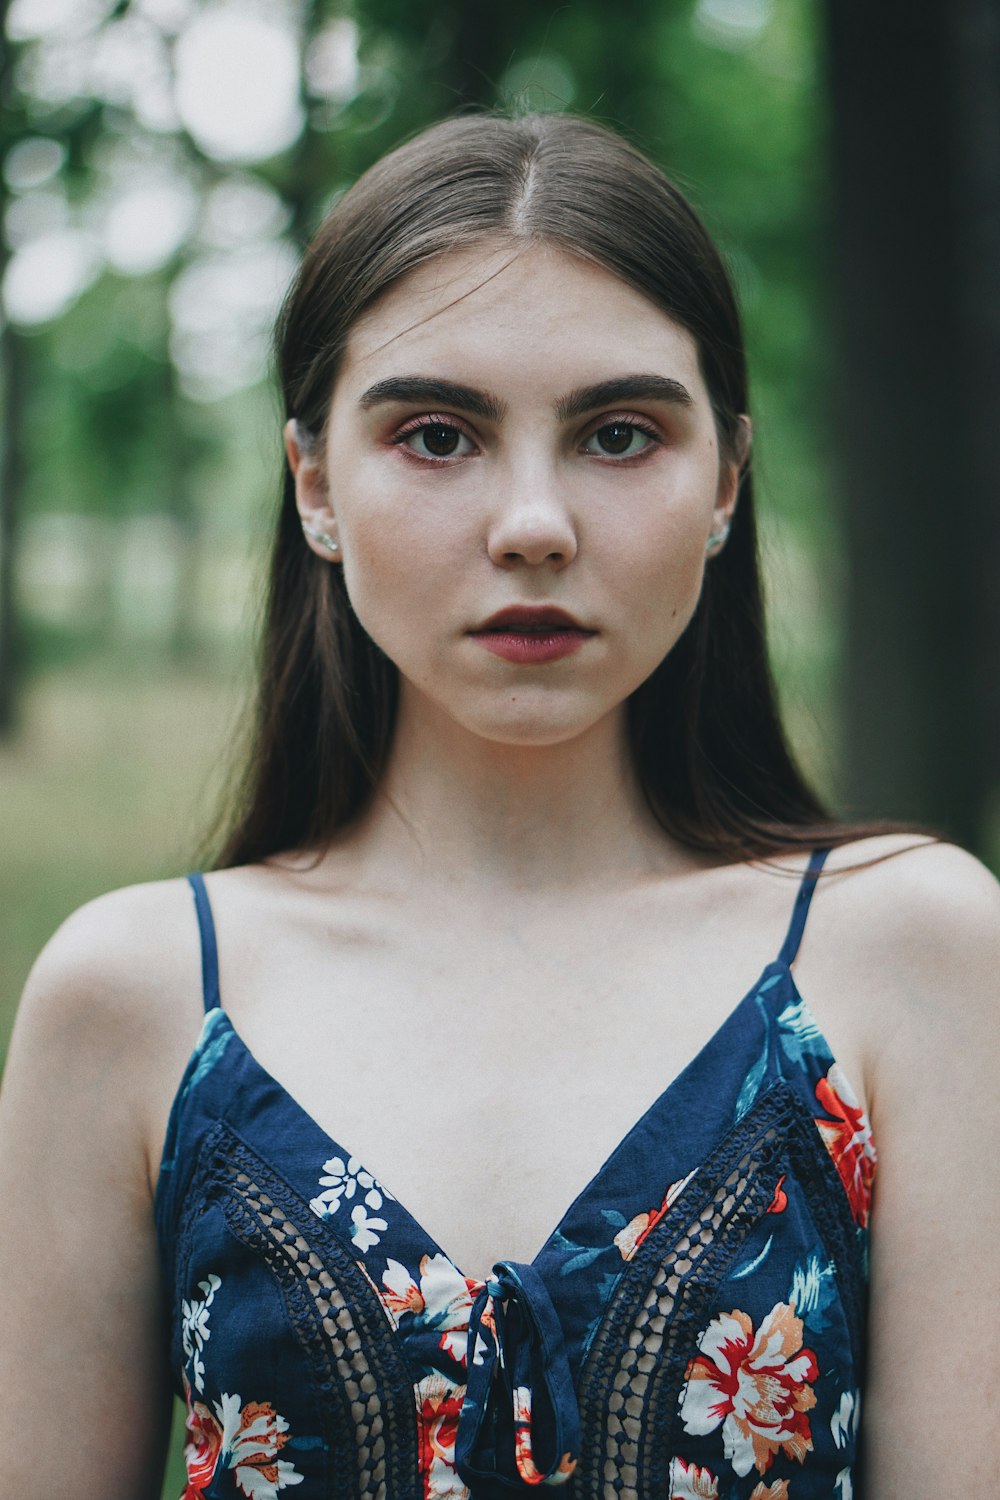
(635, 1369)
(362, 1387)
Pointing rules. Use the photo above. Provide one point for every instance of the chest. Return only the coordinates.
(484, 1070)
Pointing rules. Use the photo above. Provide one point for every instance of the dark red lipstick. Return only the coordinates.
(531, 634)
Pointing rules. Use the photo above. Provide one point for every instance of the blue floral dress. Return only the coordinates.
(693, 1327)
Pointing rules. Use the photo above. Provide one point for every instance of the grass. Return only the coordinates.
(109, 781)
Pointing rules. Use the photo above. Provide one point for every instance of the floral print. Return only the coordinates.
(688, 1482)
(768, 1405)
(844, 1422)
(245, 1438)
(340, 1183)
(439, 1406)
(758, 1386)
(848, 1138)
(641, 1227)
(195, 1329)
(442, 1301)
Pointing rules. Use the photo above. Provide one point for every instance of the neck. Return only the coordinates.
(455, 808)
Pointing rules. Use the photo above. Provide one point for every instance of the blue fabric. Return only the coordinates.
(693, 1326)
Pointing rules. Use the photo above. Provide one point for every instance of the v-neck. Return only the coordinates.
(734, 1209)
(775, 978)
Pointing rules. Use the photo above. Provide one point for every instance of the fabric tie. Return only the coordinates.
(520, 1423)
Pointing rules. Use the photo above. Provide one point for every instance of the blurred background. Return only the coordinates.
(163, 162)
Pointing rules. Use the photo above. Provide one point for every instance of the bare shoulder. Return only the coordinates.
(117, 960)
(114, 995)
(927, 903)
(912, 929)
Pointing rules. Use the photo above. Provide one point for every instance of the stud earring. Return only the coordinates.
(323, 537)
(717, 538)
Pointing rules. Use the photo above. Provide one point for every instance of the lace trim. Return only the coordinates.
(362, 1386)
(635, 1367)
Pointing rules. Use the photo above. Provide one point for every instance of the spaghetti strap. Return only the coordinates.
(209, 946)
(800, 910)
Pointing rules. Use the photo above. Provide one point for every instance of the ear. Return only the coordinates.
(312, 498)
(731, 471)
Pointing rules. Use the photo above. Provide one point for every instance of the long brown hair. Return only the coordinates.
(706, 735)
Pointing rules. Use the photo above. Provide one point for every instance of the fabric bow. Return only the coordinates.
(520, 1423)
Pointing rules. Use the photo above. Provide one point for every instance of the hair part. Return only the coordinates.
(706, 735)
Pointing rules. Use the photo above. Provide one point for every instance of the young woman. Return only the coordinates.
(518, 832)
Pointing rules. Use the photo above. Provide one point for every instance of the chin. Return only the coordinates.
(533, 726)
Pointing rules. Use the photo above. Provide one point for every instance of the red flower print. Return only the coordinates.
(776, 1491)
(779, 1202)
(641, 1227)
(439, 1406)
(202, 1449)
(848, 1138)
(758, 1386)
(442, 1301)
(253, 1434)
(688, 1482)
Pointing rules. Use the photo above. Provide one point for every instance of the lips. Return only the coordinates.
(532, 634)
(528, 618)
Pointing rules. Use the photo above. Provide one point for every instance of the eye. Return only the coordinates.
(436, 440)
(620, 439)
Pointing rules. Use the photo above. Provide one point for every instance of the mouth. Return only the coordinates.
(532, 635)
(530, 619)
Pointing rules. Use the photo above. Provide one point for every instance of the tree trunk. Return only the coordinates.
(915, 98)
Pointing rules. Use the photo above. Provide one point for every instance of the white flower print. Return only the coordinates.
(366, 1229)
(845, 1489)
(344, 1181)
(807, 1284)
(688, 1482)
(442, 1301)
(844, 1422)
(195, 1329)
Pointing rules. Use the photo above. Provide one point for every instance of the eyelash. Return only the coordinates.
(613, 419)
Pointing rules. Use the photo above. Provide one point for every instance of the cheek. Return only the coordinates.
(664, 583)
(395, 570)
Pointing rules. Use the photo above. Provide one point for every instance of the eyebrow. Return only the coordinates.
(484, 404)
(434, 393)
(623, 388)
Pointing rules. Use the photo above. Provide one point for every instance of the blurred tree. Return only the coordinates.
(119, 428)
(916, 152)
(12, 383)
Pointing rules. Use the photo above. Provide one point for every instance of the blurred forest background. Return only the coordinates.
(163, 161)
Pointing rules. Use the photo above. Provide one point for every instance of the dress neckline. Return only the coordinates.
(776, 976)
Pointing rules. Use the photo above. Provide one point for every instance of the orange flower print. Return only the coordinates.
(776, 1491)
(688, 1482)
(638, 1229)
(245, 1438)
(848, 1138)
(523, 1452)
(439, 1406)
(758, 1386)
(202, 1450)
(442, 1301)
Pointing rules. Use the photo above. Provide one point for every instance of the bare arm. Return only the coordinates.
(932, 1418)
(83, 1383)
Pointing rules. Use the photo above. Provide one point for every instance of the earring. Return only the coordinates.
(324, 539)
(717, 538)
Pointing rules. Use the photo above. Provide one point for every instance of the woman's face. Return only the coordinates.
(522, 470)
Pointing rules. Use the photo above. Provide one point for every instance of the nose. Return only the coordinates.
(533, 525)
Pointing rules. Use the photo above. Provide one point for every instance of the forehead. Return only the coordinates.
(515, 311)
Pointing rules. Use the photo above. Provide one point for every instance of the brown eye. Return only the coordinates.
(437, 440)
(440, 440)
(619, 440)
(616, 437)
